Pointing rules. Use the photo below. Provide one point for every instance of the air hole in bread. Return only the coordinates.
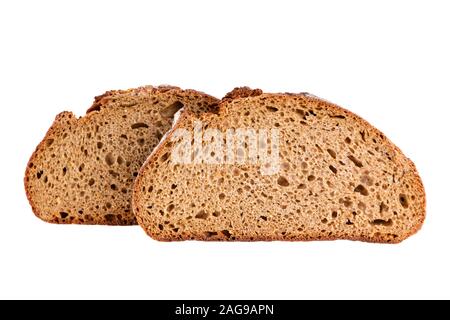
(319, 148)
(113, 187)
(334, 214)
(271, 109)
(383, 207)
(170, 207)
(381, 222)
(300, 112)
(113, 173)
(201, 215)
(226, 233)
(164, 157)
(403, 201)
(210, 234)
(355, 161)
(139, 125)
(63, 214)
(170, 110)
(141, 141)
(363, 135)
(347, 202)
(99, 145)
(222, 196)
(282, 181)
(362, 190)
(49, 142)
(333, 169)
(332, 153)
(91, 182)
(109, 159)
(311, 178)
(338, 117)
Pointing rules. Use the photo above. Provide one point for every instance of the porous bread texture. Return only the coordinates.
(340, 178)
(83, 170)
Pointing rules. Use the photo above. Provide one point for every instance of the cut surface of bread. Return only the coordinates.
(337, 177)
(83, 170)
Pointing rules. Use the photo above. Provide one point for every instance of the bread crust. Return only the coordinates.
(245, 93)
(100, 102)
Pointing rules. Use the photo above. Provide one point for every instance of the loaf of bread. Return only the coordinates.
(83, 170)
(331, 176)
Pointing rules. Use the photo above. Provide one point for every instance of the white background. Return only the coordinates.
(388, 61)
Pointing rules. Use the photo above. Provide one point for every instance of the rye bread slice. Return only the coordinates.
(83, 170)
(338, 178)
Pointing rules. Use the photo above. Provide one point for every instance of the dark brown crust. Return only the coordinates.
(99, 102)
(222, 238)
(242, 92)
(247, 93)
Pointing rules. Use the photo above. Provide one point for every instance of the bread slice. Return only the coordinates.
(83, 170)
(336, 177)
